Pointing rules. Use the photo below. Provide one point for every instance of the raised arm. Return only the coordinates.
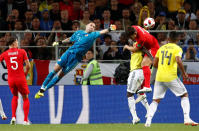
(67, 40)
(111, 28)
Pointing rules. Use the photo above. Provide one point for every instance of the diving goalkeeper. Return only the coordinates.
(83, 41)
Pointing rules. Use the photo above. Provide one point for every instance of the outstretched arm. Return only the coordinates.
(67, 40)
(111, 28)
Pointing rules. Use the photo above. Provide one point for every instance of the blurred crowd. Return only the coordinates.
(71, 15)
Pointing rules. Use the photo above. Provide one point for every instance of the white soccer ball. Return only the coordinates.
(149, 23)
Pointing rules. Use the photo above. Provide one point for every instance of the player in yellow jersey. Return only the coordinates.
(135, 81)
(167, 59)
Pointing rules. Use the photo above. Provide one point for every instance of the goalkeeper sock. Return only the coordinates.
(48, 78)
(185, 107)
(152, 109)
(26, 107)
(1, 109)
(147, 75)
(52, 82)
(131, 103)
(14, 105)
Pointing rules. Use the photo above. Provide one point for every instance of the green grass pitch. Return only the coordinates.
(98, 127)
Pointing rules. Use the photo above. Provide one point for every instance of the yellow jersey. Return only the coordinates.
(167, 65)
(136, 60)
(174, 5)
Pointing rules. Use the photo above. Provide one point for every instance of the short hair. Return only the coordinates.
(11, 40)
(130, 31)
(173, 35)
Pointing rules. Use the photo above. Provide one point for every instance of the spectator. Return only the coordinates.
(180, 21)
(75, 27)
(3, 24)
(151, 8)
(23, 44)
(115, 11)
(125, 55)
(94, 12)
(6, 8)
(144, 13)
(197, 45)
(43, 53)
(192, 26)
(171, 24)
(113, 52)
(189, 14)
(66, 24)
(35, 26)
(125, 3)
(161, 21)
(161, 37)
(98, 25)
(76, 10)
(135, 12)
(55, 11)
(107, 41)
(191, 51)
(106, 22)
(66, 5)
(2, 44)
(35, 10)
(197, 15)
(173, 7)
(126, 22)
(161, 5)
(45, 5)
(85, 20)
(45, 22)
(12, 18)
(21, 6)
(28, 19)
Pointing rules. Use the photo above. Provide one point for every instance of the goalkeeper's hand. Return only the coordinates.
(112, 27)
(55, 43)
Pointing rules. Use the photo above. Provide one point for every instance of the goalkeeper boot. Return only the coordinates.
(3, 116)
(190, 122)
(145, 90)
(39, 95)
(13, 121)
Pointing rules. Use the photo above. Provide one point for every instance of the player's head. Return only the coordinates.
(90, 27)
(12, 42)
(173, 36)
(131, 33)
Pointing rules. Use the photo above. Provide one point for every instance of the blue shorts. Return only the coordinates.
(68, 61)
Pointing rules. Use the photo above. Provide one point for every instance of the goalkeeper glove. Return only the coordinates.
(112, 27)
(57, 43)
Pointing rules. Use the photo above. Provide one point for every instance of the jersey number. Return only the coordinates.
(13, 61)
(165, 55)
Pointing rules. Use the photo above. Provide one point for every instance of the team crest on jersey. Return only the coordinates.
(79, 74)
(86, 34)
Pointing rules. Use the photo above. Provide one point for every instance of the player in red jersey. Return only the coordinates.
(144, 40)
(15, 59)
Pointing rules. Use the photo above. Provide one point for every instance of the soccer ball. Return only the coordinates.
(149, 23)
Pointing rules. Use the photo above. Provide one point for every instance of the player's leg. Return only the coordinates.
(146, 63)
(179, 89)
(158, 94)
(26, 108)
(3, 116)
(145, 104)
(14, 105)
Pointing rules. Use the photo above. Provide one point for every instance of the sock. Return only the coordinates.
(131, 103)
(152, 109)
(14, 105)
(145, 104)
(52, 82)
(147, 75)
(185, 107)
(48, 79)
(1, 109)
(26, 107)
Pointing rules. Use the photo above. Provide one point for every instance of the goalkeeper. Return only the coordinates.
(83, 41)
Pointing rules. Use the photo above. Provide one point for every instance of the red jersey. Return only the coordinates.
(144, 38)
(14, 59)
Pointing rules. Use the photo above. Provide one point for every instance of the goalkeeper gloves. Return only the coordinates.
(57, 43)
(112, 27)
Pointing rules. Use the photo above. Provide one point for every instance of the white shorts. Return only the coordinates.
(135, 80)
(176, 86)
